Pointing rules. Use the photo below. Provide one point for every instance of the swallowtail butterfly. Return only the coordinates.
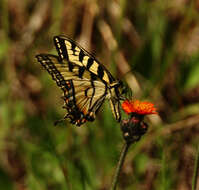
(85, 82)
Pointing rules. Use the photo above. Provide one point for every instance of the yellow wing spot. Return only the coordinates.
(68, 44)
(91, 114)
(77, 49)
(94, 67)
(70, 52)
(58, 44)
(61, 55)
(105, 77)
(74, 58)
(85, 60)
(77, 53)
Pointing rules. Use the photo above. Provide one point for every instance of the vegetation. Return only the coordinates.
(153, 46)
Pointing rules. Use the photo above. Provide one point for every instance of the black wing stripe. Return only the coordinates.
(85, 103)
(73, 92)
(70, 66)
(93, 94)
(93, 76)
(89, 63)
(81, 71)
(81, 56)
(100, 71)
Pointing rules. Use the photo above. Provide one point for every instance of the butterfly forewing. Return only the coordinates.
(71, 51)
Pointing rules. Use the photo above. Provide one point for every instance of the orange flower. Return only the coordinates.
(138, 107)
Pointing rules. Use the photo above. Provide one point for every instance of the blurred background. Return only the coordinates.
(152, 45)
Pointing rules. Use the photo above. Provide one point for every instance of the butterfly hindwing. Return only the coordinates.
(84, 101)
(82, 97)
(54, 68)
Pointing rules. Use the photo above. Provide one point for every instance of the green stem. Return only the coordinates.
(120, 164)
(196, 170)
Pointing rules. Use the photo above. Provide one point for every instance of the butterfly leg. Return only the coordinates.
(61, 120)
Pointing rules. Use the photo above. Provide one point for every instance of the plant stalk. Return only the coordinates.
(196, 170)
(120, 164)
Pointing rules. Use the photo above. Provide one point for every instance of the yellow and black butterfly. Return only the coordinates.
(85, 82)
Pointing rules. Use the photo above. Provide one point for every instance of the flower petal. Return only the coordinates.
(136, 106)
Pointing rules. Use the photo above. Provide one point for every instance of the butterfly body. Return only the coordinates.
(85, 82)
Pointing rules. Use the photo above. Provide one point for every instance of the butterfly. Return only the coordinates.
(85, 82)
